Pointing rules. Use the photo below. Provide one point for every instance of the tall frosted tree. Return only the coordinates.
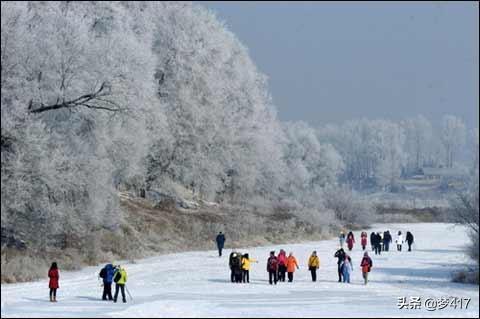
(75, 84)
(418, 138)
(453, 137)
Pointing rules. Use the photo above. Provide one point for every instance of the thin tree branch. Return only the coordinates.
(87, 100)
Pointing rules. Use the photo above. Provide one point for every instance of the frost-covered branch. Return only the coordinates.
(91, 101)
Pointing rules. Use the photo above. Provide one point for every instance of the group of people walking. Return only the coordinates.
(378, 241)
(109, 274)
(345, 265)
(279, 267)
(382, 243)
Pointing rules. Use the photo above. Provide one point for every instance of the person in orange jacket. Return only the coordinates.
(366, 265)
(291, 265)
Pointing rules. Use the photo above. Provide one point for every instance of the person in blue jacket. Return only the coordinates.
(220, 243)
(107, 275)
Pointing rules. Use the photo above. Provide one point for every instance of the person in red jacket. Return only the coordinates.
(53, 284)
(272, 268)
(364, 239)
(350, 240)
(366, 265)
(282, 265)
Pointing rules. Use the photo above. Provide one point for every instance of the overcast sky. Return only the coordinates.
(329, 62)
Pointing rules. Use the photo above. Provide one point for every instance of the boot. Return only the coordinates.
(54, 298)
(51, 300)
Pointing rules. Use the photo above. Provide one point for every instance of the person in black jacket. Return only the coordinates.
(409, 239)
(372, 240)
(340, 254)
(387, 239)
(230, 264)
(378, 243)
(235, 263)
(220, 243)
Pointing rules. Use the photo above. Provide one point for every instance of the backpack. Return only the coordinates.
(236, 262)
(117, 276)
(366, 264)
(103, 273)
(272, 263)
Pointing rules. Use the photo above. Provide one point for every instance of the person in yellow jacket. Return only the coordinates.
(120, 278)
(246, 261)
(313, 265)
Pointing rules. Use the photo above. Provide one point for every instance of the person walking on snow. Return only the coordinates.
(399, 241)
(378, 244)
(409, 239)
(387, 239)
(291, 265)
(341, 238)
(366, 265)
(350, 241)
(380, 239)
(363, 237)
(282, 265)
(107, 275)
(220, 243)
(340, 255)
(236, 267)
(246, 261)
(120, 279)
(372, 240)
(231, 261)
(53, 282)
(347, 269)
(313, 265)
(272, 268)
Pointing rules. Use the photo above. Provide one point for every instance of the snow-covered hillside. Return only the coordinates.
(197, 284)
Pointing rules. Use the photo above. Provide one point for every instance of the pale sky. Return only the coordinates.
(329, 62)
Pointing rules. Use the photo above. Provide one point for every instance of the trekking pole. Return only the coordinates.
(128, 292)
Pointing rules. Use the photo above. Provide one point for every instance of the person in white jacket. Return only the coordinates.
(399, 240)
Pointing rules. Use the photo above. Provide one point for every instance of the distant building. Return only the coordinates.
(443, 173)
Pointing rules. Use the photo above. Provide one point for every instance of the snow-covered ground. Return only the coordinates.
(196, 284)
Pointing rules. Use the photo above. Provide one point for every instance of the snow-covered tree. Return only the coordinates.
(311, 166)
(222, 124)
(372, 151)
(76, 82)
(418, 137)
(393, 157)
(453, 137)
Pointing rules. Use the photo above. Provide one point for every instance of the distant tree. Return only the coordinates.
(452, 137)
(393, 157)
(418, 136)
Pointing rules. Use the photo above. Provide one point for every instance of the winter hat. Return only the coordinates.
(365, 254)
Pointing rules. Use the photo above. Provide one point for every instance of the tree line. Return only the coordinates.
(98, 97)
